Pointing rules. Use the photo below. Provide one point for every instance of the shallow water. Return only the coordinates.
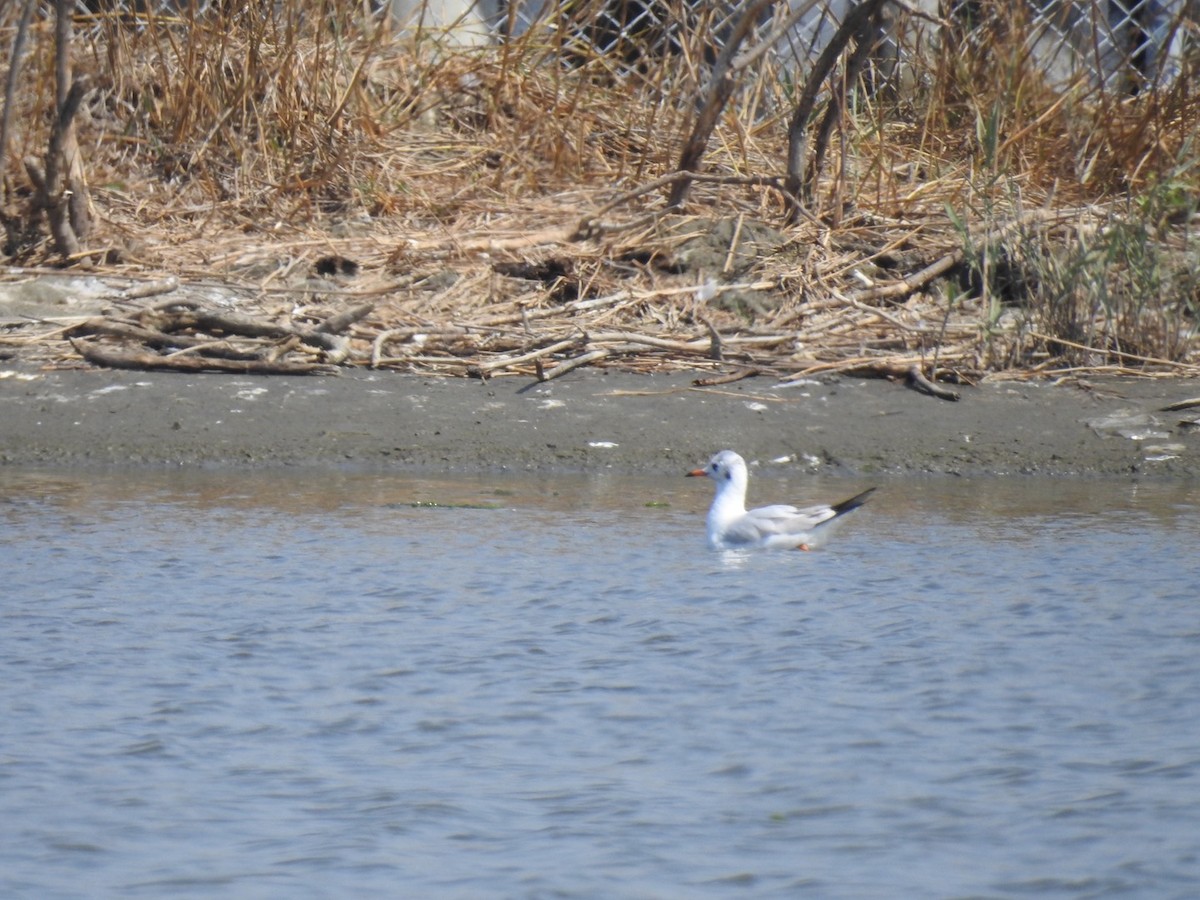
(304, 685)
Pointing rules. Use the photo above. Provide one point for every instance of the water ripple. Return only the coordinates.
(225, 686)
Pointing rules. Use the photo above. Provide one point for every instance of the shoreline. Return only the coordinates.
(593, 420)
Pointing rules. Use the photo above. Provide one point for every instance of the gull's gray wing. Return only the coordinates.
(782, 521)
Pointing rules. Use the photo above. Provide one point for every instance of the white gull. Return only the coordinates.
(732, 527)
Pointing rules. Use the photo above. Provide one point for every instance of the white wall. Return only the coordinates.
(463, 23)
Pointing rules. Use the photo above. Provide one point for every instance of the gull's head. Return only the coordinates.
(724, 468)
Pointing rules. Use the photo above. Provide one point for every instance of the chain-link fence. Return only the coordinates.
(1123, 44)
(1126, 45)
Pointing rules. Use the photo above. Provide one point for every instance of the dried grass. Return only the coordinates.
(495, 201)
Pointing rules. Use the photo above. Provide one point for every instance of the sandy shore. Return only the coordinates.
(592, 420)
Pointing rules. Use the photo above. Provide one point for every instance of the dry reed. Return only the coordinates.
(971, 217)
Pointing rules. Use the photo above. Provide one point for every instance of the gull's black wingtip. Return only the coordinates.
(853, 503)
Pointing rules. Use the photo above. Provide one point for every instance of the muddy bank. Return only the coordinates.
(592, 420)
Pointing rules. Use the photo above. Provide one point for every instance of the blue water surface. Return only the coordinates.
(333, 685)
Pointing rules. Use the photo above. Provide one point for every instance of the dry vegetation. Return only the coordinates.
(495, 211)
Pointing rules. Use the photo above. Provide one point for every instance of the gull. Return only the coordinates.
(732, 527)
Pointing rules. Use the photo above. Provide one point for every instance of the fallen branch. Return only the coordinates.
(728, 378)
(143, 361)
(321, 337)
(916, 380)
(571, 364)
(912, 283)
(1182, 404)
(700, 346)
(893, 367)
(343, 320)
(153, 338)
(486, 368)
(434, 362)
(149, 289)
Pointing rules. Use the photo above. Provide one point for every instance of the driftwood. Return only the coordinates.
(1182, 404)
(896, 368)
(613, 305)
(916, 380)
(579, 179)
(569, 365)
(728, 378)
(206, 340)
(534, 356)
(343, 320)
(153, 338)
(151, 288)
(141, 360)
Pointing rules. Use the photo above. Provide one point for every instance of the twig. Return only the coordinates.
(1148, 360)
(539, 354)
(434, 361)
(571, 364)
(151, 288)
(611, 337)
(728, 378)
(224, 350)
(381, 339)
(734, 239)
(716, 347)
(887, 367)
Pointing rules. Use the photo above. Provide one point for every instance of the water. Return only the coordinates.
(302, 685)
